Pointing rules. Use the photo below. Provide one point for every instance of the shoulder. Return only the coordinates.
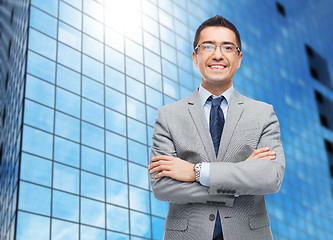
(250, 103)
(179, 105)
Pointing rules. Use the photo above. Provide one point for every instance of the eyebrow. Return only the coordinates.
(214, 42)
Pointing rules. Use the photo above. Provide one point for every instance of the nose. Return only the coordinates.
(218, 54)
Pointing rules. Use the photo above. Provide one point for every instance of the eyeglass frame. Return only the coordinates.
(228, 43)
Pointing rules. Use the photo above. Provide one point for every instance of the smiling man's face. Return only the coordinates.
(217, 69)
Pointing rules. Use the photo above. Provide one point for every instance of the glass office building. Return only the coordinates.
(81, 82)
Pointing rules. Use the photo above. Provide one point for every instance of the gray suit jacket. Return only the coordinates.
(181, 131)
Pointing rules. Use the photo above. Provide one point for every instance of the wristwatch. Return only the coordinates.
(197, 170)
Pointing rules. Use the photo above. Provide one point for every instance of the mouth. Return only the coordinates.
(217, 66)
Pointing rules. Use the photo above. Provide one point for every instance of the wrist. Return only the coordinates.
(197, 170)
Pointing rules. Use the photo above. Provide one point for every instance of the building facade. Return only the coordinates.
(81, 82)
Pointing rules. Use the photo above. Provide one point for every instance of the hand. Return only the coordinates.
(172, 167)
(262, 153)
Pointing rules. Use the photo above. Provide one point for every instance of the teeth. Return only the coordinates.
(217, 66)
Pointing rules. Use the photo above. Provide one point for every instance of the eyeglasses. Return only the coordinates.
(225, 48)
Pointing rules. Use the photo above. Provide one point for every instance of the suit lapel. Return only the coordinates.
(196, 111)
(235, 110)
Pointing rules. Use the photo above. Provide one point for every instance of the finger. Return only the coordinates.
(163, 174)
(160, 169)
(260, 150)
(161, 157)
(265, 154)
(269, 157)
(158, 163)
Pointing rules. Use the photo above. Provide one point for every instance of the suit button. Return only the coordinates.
(212, 217)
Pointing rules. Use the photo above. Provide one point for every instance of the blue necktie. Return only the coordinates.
(216, 123)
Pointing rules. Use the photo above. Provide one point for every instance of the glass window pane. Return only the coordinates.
(117, 193)
(43, 22)
(66, 178)
(136, 130)
(115, 100)
(114, 59)
(137, 152)
(90, 233)
(116, 236)
(140, 224)
(64, 230)
(151, 115)
(39, 91)
(31, 226)
(41, 67)
(93, 90)
(167, 35)
(93, 48)
(133, 50)
(115, 122)
(114, 79)
(117, 219)
(116, 168)
(150, 25)
(66, 152)
(37, 142)
(169, 53)
(135, 89)
(158, 227)
(116, 144)
(65, 206)
(92, 27)
(152, 43)
(69, 57)
(42, 44)
(134, 69)
(153, 79)
(94, 9)
(50, 7)
(171, 88)
(35, 169)
(92, 160)
(153, 61)
(92, 112)
(139, 200)
(158, 207)
(70, 15)
(136, 109)
(92, 136)
(114, 39)
(38, 116)
(92, 213)
(169, 70)
(92, 186)
(68, 79)
(185, 79)
(67, 127)
(154, 98)
(138, 175)
(68, 102)
(69, 36)
(75, 3)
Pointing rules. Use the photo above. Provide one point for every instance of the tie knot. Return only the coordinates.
(216, 102)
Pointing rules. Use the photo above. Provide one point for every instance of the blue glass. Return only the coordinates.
(38, 116)
(115, 122)
(136, 109)
(92, 213)
(153, 79)
(139, 199)
(154, 98)
(137, 152)
(66, 178)
(136, 130)
(117, 193)
(171, 88)
(114, 79)
(31, 226)
(66, 151)
(75, 3)
(117, 219)
(92, 112)
(67, 127)
(116, 144)
(65, 206)
(166, 19)
(151, 116)
(184, 92)
(116, 168)
(37, 142)
(134, 69)
(93, 68)
(150, 134)
(92, 186)
(42, 44)
(34, 198)
(114, 39)
(64, 230)
(158, 208)
(35, 169)
(152, 60)
(150, 25)
(90, 233)
(135, 89)
(43, 22)
(167, 35)
(92, 160)
(115, 100)
(47, 72)
(158, 227)
(93, 28)
(70, 15)
(114, 59)
(152, 43)
(69, 36)
(132, 31)
(169, 70)
(93, 48)
(140, 224)
(116, 236)
(93, 136)
(94, 9)
(68, 102)
(69, 57)
(169, 53)
(92, 90)
(184, 61)
(185, 78)
(133, 50)
(182, 30)
(138, 175)
(186, 48)
(150, 9)
(66, 78)
(39, 91)
(50, 7)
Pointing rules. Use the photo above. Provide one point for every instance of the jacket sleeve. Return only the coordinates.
(255, 176)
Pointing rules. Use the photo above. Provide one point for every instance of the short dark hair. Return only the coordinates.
(217, 21)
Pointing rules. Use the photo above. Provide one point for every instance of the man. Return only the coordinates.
(216, 153)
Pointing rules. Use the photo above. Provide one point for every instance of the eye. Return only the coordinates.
(208, 47)
(228, 48)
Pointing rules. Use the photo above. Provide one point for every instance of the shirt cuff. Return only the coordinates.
(205, 174)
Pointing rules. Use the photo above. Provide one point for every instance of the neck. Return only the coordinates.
(216, 89)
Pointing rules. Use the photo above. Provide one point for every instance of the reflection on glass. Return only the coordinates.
(68, 102)
(93, 48)
(137, 152)
(136, 109)
(66, 178)
(65, 206)
(115, 122)
(66, 152)
(169, 53)
(92, 90)
(114, 59)
(92, 213)
(116, 236)
(114, 79)
(90, 233)
(135, 89)
(159, 208)
(134, 69)
(92, 160)
(140, 224)
(42, 44)
(171, 88)
(152, 43)
(34, 198)
(158, 227)
(35, 169)
(93, 68)
(116, 144)
(92, 186)
(92, 112)
(30, 226)
(133, 50)
(92, 27)
(153, 79)
(151, 115)
(70, 15)
(68, 79)
(92, 136)
(117, 219)
(138, 175)
(43, 22)
(67, 126)
(117, 193)
(114, 39)
(50, 7)
(154, 98)
(136, 130)
(47, 72)
(69, 36)
(153, 61)
(116, 168)
(94, 9)
(64, 230)
(69, 57)
(38, 116)
(39, 91)
(115, 100)
(169, 70)
(139, 199)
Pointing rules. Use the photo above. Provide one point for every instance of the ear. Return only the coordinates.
(240, 57)
(195, 58)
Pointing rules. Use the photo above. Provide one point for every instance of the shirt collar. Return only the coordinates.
(205, 94)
